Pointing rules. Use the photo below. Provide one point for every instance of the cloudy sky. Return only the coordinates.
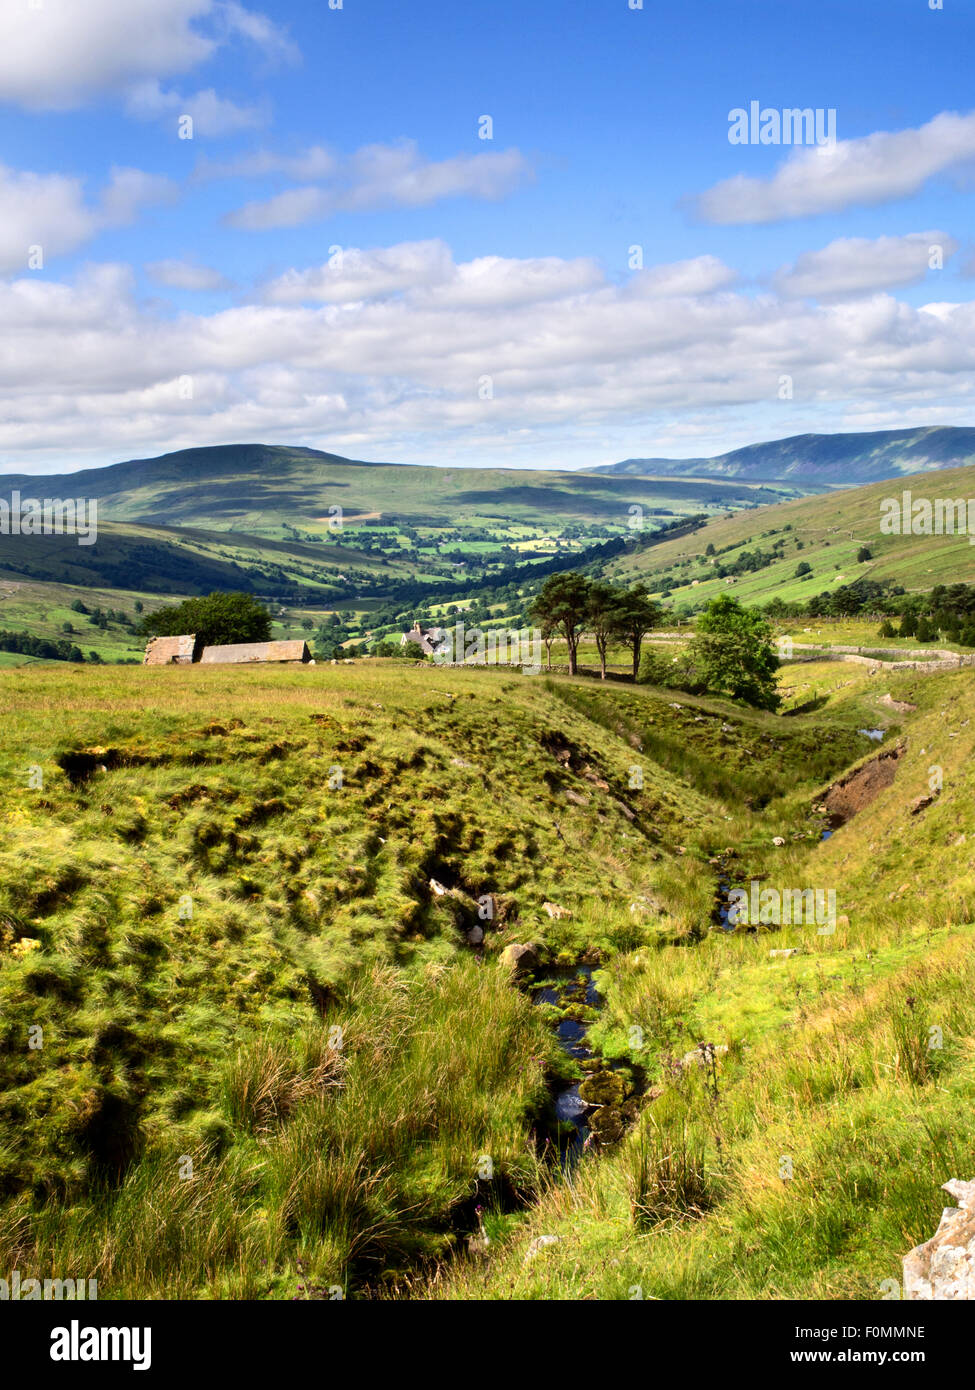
(282, 222)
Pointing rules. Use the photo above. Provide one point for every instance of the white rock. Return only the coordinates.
(943, 1268)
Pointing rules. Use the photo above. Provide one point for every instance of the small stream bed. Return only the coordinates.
(597, 1108)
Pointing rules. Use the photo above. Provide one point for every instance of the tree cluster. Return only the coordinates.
(218, 620)
(732, 653)
(570, 604)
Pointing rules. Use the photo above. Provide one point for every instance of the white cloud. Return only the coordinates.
(128, 191)
(314, 163)
(391, 367)
(496, 282)
(863, 265)
(46, 210)
(385, 176)
(426, 270)
(212, 115)
(357, 275)
(236, 19)
(873, 169)
(702, 275)
(50, 211)
(67, 53)
(186, 275)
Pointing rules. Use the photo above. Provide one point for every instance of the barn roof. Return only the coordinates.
(244, 653)
(163, 651)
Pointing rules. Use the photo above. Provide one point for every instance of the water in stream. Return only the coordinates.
(573, 986)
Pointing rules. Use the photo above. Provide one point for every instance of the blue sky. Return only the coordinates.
(335, 258)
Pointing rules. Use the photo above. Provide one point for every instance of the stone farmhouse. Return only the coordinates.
(172, 651)
(187, 651)
(430, 642)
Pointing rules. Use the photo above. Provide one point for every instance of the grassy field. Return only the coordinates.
(216, 896)
(810, 1160)
(250, 1051)
(825, 532)
(145, 559)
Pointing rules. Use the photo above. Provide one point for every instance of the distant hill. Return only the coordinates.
(262, 489)
(259, 517)
(821, 460)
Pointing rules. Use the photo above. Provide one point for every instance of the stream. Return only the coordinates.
(572, 986)
(598, 1108)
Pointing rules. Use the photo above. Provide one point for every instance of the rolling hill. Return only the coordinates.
(302, 527)
(826, 532)
(821, 460)
(270, 490)
(257, 518)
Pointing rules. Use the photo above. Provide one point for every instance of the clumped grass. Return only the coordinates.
(247, 1049)
(267, 1081)
(669, 1175)
(353, 1151)
(844, 1099)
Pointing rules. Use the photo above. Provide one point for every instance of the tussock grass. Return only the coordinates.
(237, 964)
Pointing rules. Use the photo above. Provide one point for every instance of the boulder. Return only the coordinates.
(943, 1268)
(520, 958)
(555, 911)
(919, 804)
(607, 1124)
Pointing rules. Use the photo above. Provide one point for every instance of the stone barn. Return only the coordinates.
(252, 653)
(172, 651)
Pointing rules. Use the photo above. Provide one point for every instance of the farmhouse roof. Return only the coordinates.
(246, 653)
(168, 651)
(429, 642)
